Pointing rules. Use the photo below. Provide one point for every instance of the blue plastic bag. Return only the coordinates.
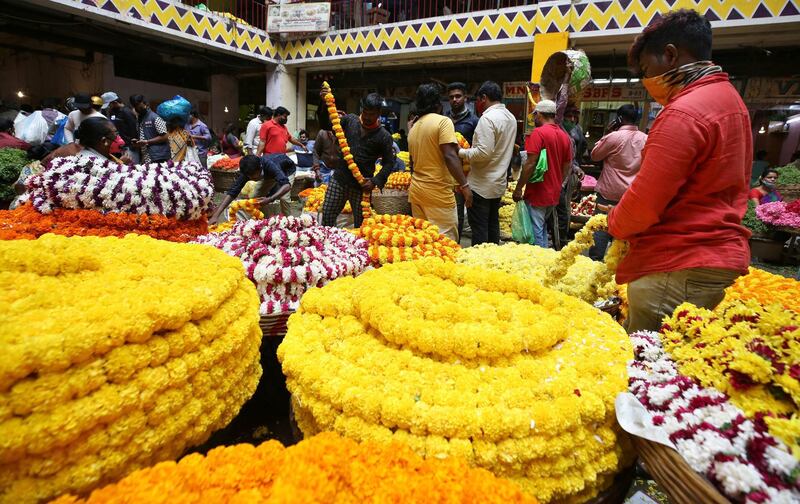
(176, 107)
(59, 138)
(521, 224)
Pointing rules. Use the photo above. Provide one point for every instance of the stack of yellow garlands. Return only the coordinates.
(251, 206)
(315, 197)
(117, 354)
(457, 361)
(399, 181)
(394, 238)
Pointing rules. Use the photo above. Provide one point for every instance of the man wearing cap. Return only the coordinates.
(86, 107)
(542, 196)
(123, 118)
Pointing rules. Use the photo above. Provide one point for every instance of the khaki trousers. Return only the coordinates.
(653, 297)
(445, 218)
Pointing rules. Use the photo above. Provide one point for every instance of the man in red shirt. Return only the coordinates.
(274, 134)
(542, 196)
(682, 214)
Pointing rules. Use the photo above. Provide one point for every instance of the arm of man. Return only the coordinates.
(204, 135)
(603, 148)
(294, 141)
(665, 169)
(230, 195)
(387, 161)
(451, 159)
(483, 142)
(69, 130)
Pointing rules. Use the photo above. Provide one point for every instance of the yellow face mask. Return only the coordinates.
(660, 89)
(665, 86)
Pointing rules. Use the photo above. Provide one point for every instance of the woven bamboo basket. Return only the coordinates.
(391, 202)
(790, 192)
(673, 474)
(223, 179)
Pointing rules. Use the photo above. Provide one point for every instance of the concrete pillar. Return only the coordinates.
(224, 95)
(282, 92)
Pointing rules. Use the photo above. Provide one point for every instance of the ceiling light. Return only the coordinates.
(601, 81)
(226, 110)
(20, 94)
(762, 130)
(619, 81)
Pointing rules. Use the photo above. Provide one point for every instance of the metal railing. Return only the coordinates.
(246, 12)
(349, 14)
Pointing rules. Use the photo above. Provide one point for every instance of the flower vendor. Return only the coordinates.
(367, 141)
(96, 135)
(434, 153)
(269, 171)
(682, 214)
(765, 191)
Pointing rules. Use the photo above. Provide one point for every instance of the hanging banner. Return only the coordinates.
(299, 17)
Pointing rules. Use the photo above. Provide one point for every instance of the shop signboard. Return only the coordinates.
(517, 90)
(614, 93)
(771, 90)
(299, 17)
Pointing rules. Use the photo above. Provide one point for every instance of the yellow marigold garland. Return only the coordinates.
(528, 261)
(463, 144)
(117, 355)
(749, 352)
(766, 288)
(399, 181)
(604, 281)
(326, 468)
(461, 361)
(316, 197)
(394, 238)
(333, 113)
(251, 206)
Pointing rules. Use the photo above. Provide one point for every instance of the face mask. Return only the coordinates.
(665, 86)
(480, 106)
(369, 126)
(659, 87)
(768, 185)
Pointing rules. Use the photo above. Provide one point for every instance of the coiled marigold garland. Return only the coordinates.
(117, 355)
(463, 362)
(394, 238)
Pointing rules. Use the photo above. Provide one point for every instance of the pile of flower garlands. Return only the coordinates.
(506, 211)
(463, 144)
(394, 238)
(24, 222)
(116, 355)
(315, 197)
(713, 435)
(330, 101)
(603, 284)
(780, 214)
(399, 181)
(227, 164)
(457, 361)
(528, 261)
(251, 206)
(586, 207)
(285, 256)
(766, 288)
(749, 352)
(325, 468)
(161, 199)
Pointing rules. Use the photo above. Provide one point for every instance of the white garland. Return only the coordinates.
(182, 190)
(711, 434)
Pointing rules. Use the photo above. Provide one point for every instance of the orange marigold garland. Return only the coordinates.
(24, 222)
(325, 468)
(330, 101)
(395, 238)
(463, 144)
(765, 288)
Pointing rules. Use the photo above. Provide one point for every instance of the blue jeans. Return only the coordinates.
(539, 217)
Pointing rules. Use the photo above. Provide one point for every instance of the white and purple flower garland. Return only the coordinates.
(182, 190)
(285, 256)
(737, 455)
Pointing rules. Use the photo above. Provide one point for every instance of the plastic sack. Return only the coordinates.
(541, 168)
(176, 107)
(59, 137)
(521, 225)
(33, 129)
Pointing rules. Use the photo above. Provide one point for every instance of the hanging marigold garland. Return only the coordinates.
(330, 101)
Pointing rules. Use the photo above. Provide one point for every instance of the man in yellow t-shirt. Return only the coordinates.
(435, 163)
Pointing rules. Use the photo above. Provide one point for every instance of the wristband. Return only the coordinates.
(462, 187)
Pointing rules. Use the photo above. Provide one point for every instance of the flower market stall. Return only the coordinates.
(116, 355)
(458, 362)
(722, 387)
(80, 196)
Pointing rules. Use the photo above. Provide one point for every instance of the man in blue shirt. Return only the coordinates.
(465, 122)
(270, 171)
(201, 136)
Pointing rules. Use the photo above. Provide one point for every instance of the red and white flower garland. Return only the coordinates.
(285, 256)
(737, 455)
(182, 190)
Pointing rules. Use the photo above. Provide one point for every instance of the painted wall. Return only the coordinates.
(224, 93)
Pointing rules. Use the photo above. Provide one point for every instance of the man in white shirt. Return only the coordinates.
(489, 158)
(253, 127)
(86, 107)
